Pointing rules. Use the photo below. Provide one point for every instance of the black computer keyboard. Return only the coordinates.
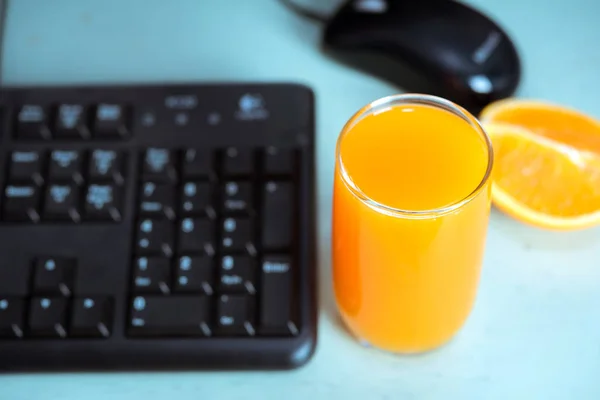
(157, 227)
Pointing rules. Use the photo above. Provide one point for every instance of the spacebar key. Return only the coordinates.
(169, 316)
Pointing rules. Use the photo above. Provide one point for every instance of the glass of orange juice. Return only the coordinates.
(411, 205)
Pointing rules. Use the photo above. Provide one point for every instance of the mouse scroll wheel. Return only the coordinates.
(371, 6)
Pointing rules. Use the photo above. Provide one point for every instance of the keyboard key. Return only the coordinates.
(196, 235)
(107, 165)
(26, 167)
(152, 275)
(110, 121)
(21, 203)
(103, 202)
(238, 162)
(62, 203)
(48, 316)
(237, 274)
(278, 161)
(12, 317)
(71, 121)
(92, 317)
(277, 315)
(197, 163)
(195, 274)
(159, 165)
(157, 200)
(235, 315)
(196, 199)
(32, 122)
(236, 197)
(155, 237)
(54, 276)
(170, 316)
(277, 224)
(237, 234)
(66, 165)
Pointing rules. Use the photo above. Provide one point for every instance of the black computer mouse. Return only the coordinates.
(439, 47)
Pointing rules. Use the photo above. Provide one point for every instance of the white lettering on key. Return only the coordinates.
(181, 119)
(49, 265)
(59, 193)
(19, 191)
(139, 303)
(24, 156)
(231, 188)
(187, 225)
(235, 204)
(149, 189)
(157, 159)
(189, 189)
(185, 263)
(275, 267)
(99, 195)
(31, 113)
(64, 158)
(69, 114)
(88, 303)
(227, 263)
(103, 160)
(214, 118)
(108, 112)
(231, 280)
(143, 263)
(148, 119)
(182, 102)
(229, 225)
(151, 206)
(271, 187)
(146, 226)
(142, 281)
(226, 320)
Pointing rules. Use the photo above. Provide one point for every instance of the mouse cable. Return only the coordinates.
(303, 12)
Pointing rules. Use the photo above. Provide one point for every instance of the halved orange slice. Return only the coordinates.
(553, 121)
(543, 182)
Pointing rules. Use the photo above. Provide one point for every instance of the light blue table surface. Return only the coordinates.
(535, 329)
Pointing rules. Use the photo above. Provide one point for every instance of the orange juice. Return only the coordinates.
(410, 212)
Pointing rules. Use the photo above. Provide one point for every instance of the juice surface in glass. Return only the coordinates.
(410, 212)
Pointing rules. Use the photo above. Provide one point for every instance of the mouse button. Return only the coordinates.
(443, 45)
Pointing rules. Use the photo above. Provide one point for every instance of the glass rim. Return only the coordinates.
(407, 99)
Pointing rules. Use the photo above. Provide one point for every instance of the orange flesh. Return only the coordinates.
(551, 180)
(553, 122)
